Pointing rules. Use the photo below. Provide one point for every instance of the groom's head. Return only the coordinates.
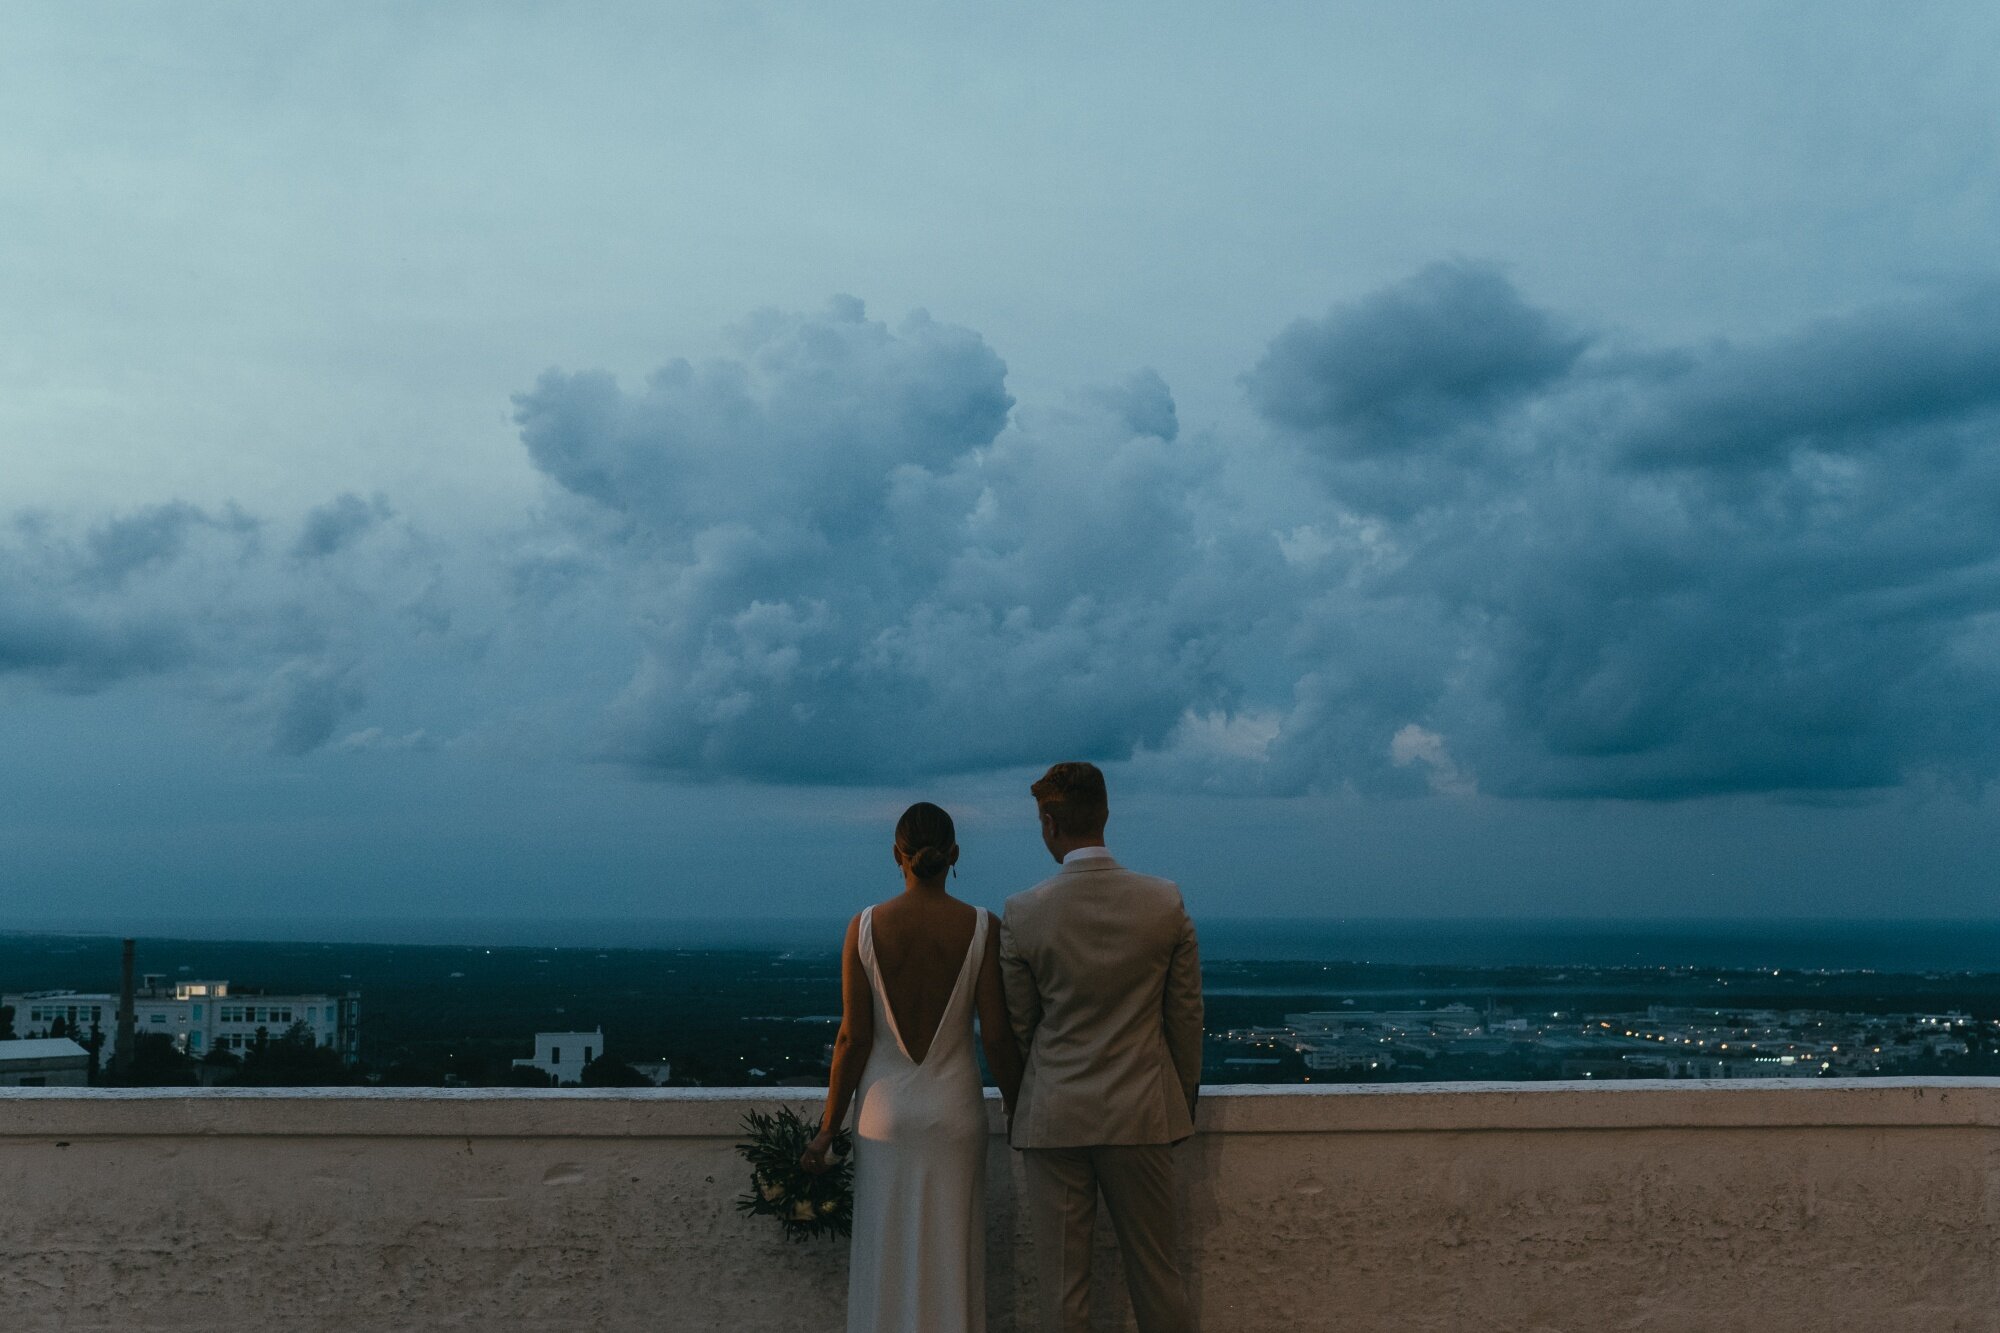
(1073, 807)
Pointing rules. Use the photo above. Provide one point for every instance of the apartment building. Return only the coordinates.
(199, 1016)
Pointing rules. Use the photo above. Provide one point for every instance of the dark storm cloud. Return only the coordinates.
(1388, 373)
(77, 653)
(811, 420)
(1143, 403)
(190, 598)
(65, 619)
(850, 565)
(1840, 386)
(308, 701)
(339, 521)
(1395, 396)
(150, 537)
(1473, 549)
(1724, 569)
(1538, 564)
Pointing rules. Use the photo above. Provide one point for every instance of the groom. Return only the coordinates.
(1104, 991)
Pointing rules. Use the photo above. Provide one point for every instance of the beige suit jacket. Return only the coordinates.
(1104, 990)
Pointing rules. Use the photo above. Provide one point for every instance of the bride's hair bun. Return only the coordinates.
(930, 862)
(925, 837)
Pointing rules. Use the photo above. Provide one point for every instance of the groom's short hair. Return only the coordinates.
(1072, 796)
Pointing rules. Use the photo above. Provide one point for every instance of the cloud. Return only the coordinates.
(188, 600)
(1414, 745)
(1469, 550)
(1143, 403)
(307, 700)
(1401, 400)
(151, 537)
(65, 619)
(851, 564)
(1695, 571)
(811, 419)
(338, 522)
(1452, 344)
(78, 653)
(1842, 385)
(1464, 548)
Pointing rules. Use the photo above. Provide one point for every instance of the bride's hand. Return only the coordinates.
(813, 1159)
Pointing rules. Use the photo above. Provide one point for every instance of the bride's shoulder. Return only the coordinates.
(857, 924)
(974, 913)
(874, 918)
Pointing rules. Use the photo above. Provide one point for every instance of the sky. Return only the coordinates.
(512, 462)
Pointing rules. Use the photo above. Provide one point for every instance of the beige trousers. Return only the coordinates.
(1138, 1186)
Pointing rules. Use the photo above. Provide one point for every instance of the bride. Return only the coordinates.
(914, 972)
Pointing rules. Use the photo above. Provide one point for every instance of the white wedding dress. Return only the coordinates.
(918, 1263)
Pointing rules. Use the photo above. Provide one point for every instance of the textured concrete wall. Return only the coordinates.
(1544, 1208)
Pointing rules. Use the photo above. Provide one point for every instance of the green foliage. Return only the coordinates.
(526, 1076)
(605, 1072)
(806, 1205)
(413, 1074)
(155, 1063)
(293, 1059)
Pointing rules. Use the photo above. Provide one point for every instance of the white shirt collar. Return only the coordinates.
(1086, 854)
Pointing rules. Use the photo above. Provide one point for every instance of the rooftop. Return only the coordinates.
(41, 1048)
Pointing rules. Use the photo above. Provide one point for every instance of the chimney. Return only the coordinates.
(128, 1018)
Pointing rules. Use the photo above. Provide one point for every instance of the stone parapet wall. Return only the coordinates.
(1545, 1208)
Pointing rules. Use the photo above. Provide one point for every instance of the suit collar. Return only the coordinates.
(1087, 865)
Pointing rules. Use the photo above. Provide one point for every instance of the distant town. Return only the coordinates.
(78, 1010)
(1662, 1041)
(205, 1032)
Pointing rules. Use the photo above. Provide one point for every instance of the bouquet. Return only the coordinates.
(806, 1205)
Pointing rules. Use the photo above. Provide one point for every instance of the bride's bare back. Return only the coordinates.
(920, 946)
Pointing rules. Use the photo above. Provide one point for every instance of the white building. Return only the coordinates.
(200, 1016)
(562, 1055)
(47, 1063)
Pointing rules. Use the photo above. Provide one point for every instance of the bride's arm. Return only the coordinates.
(850, 1048)
(996, 1031)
